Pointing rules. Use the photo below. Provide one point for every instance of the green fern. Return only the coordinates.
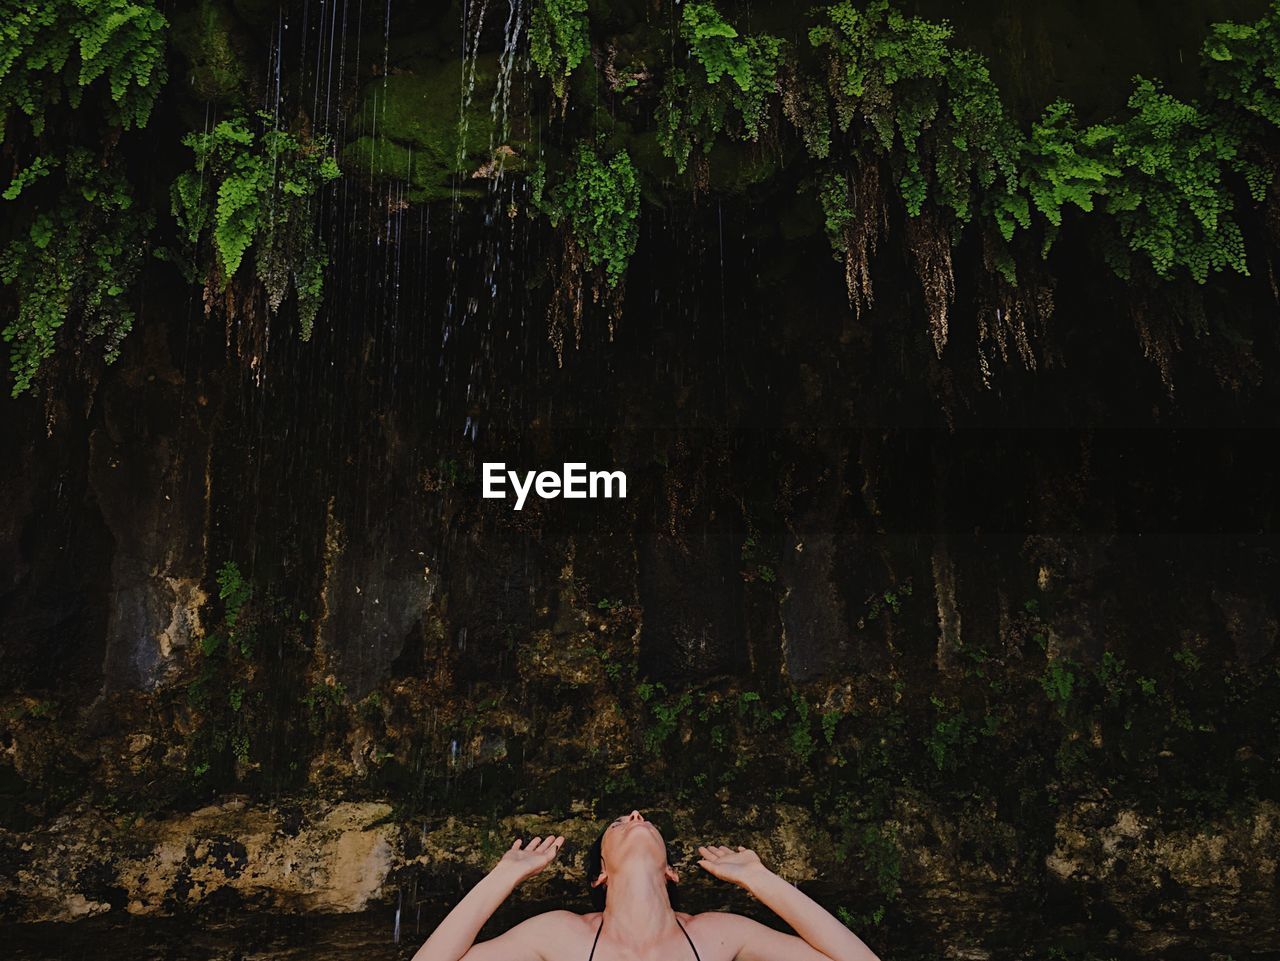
(75, 259)
(886, 69)
(1063, 164)
(933, 111)
(1171, 200)
(59, 49)
(901, 92)
(600, 201)
(1164, 173)
(726, 86)
(258, 190)
(1242, 63)
(559, 39)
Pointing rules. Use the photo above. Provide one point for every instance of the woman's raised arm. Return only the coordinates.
(454, 938)
(822, 936)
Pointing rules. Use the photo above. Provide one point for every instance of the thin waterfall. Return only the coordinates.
(501, 104)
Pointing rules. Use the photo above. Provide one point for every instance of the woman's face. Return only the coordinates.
(631, 840)
(628, 836)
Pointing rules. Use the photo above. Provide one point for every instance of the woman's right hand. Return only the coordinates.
(523, 863)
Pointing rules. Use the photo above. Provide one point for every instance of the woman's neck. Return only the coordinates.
(637, 910)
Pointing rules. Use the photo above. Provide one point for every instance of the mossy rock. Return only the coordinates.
(732, 168)
(413, 128)
(736, 167)
(209, 36)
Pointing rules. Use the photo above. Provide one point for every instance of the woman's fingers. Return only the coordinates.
(539, 845)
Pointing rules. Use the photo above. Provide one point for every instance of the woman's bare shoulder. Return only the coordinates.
(572, 919)
(707, 915)
(711, 921)
(565, 928)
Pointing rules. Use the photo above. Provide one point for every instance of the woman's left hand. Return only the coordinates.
(737, 867)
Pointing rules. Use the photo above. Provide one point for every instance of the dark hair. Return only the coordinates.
(595, 859)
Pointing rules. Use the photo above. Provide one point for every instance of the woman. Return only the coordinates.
(638, 923)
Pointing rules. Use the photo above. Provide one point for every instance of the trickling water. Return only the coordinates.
(395, 934)
(470, 54)
(498, 108)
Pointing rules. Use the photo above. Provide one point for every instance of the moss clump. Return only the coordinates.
(207, 35)
(413, 127)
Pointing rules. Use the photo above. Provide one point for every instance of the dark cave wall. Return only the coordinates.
(788, 465)
(771, 506)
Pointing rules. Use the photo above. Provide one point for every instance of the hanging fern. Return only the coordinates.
(1171, 200)
(595, 206)
(75, 260)
(1243, 65)
(258, 190)
(1164, 173)
(559, 39)
(725, 86)
(886, 70)
(899, 86)
(57, 50)
(600, 202)
(1063, 164)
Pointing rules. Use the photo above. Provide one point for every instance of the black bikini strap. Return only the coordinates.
(601, 928)
(686, 935)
